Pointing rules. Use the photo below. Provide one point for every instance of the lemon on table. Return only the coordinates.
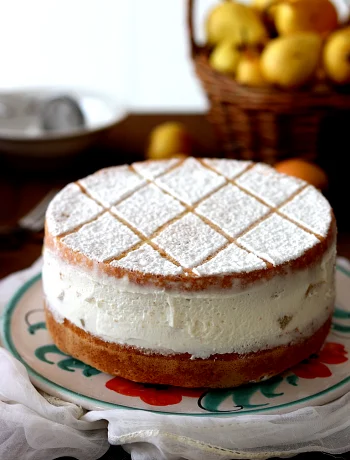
(169, 139)
(310, 172)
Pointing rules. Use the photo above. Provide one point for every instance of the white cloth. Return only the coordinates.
(34, 427)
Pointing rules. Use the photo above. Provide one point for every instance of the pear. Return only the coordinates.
(236, 22)
(305, 15)
(249, 71)
(225, 57)
(291, 61)
(336, 56)
(169, 139)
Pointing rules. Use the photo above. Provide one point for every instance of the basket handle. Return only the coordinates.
(190, 26)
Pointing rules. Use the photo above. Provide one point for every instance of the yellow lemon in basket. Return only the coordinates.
(225, 58)
(262, 5)
(265, 9)
(168, 140)
(291, 61)
(237, 22)
(249, 71)
(305, 15)
(336, 56)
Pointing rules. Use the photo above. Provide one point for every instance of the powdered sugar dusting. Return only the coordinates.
(231, 259)
(228, 168)
(188, 233)
(310, 209)
(148, 208)
(102, 239)
(189, 240)
(152, 169)
(111, 184)
(145, 259)
(269, 185)
(190, 182)
(69, 209)
(277, 240)
(232, 210)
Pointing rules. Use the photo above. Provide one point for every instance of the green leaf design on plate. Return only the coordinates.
(69, 364)
(341, 314)
(32, 328)
(42, 351)
(293, 380)
(242, 396)
(212, 400)
(268, 387)
(341, 328)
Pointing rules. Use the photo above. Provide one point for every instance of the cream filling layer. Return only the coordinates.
(265, 315)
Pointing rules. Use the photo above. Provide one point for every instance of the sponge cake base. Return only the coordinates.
(217, 371)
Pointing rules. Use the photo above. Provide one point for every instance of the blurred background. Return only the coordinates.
(134, 50)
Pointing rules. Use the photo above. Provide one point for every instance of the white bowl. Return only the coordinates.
(21, 133)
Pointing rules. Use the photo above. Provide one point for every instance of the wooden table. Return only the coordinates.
(22, 185)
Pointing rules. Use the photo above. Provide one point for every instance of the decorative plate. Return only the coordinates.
(318, 380)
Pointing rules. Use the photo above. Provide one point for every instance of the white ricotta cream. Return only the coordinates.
(265, 315)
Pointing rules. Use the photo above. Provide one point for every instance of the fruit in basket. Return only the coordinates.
(224, 58)
(265, 9)
(262, 5)
(168, 140)
(336, 56)
(236, 22)
(249, 70)
(291, 61)
(310, 172)
(292, 16)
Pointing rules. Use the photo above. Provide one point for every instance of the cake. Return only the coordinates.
(189, 272)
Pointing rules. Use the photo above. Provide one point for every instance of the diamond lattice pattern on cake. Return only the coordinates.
(206, 217)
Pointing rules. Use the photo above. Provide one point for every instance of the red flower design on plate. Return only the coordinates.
(154, 395)
(315, 366)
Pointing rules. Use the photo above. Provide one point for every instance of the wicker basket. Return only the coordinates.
(262, 124)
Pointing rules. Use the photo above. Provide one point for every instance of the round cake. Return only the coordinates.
(190, 272)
